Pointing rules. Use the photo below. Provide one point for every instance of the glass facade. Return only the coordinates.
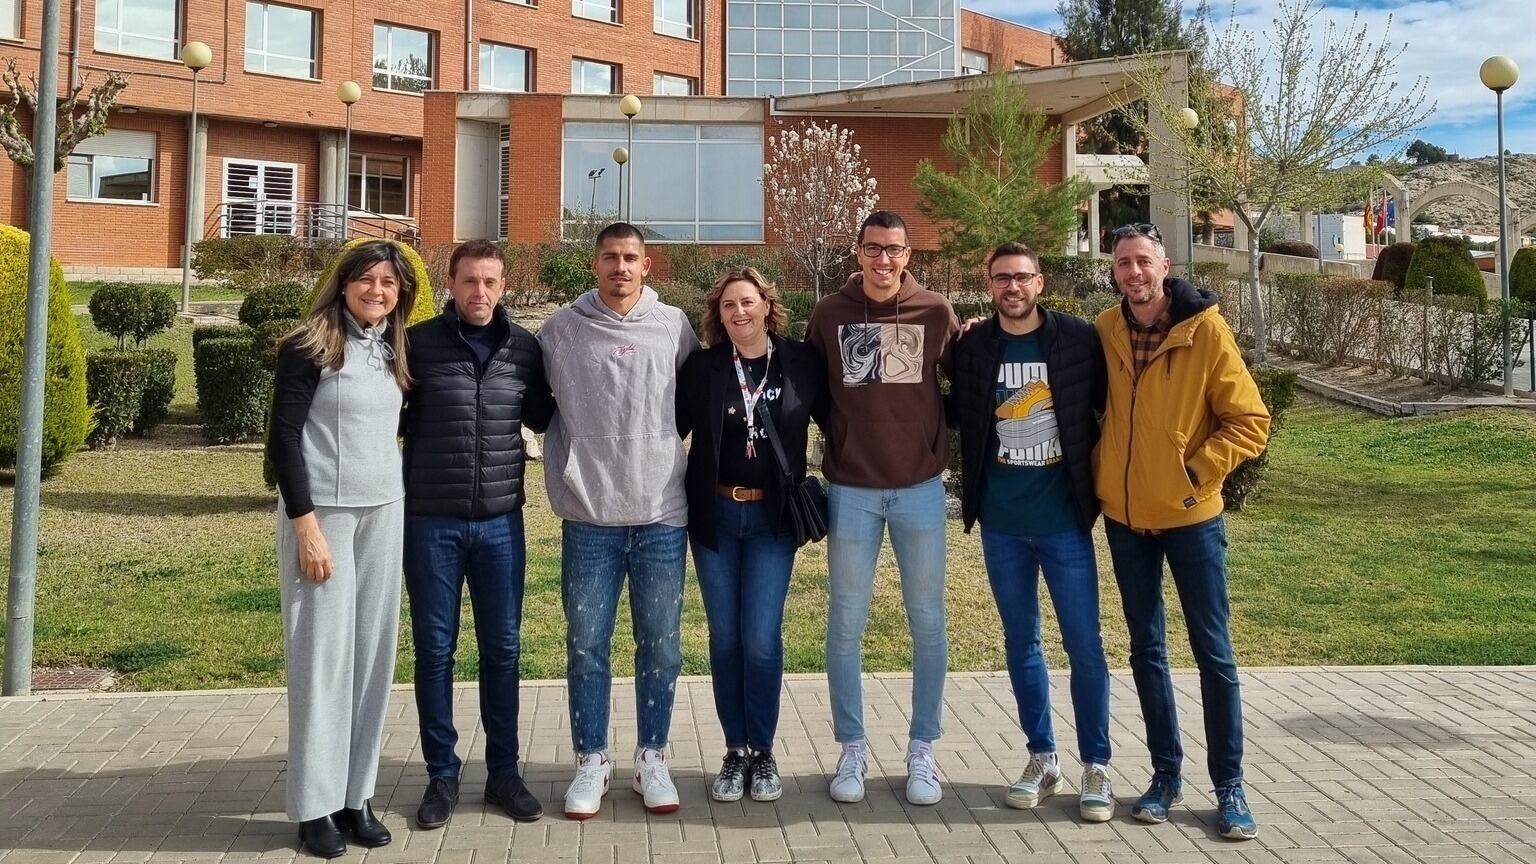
(784, 47)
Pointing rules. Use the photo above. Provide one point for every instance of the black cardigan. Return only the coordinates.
(702, 385)
(1075, 364)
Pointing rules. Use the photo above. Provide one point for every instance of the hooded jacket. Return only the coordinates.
(1195, 411)
(613, 455)
(887, 426)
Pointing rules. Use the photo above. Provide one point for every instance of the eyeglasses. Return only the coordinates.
(1003, 280)
(1138, 229)
(873, 250)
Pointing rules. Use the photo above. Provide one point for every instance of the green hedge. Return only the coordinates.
(566, 271)
(1076, 276)
(1522, 275)
(1392, 265)
(115, 387)
(1295, 248)
(66, 415)
(129, 310)
(267, 337)
(234, 389)
(248, 261)
(219, 331)
(263, 303)
(1277, 387)
(159, 388)
(1449, 261)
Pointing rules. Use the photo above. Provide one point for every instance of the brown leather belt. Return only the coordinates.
(741, 493)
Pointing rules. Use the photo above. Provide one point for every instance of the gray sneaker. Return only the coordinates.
(1096, 800)
(1041, 779)
(766, 784)
(730, 783)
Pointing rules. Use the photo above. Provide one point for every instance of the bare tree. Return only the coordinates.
(77, 120)
(819, 190)
(1301, 105)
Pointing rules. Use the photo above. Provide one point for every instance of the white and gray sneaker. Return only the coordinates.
(1096, 801)
(1041, 779)
(922, 774)
(731, 783)
(766, 783)
(584, 797)
(653, 781)
(848, 783)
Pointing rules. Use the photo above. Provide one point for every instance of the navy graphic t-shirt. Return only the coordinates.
(1025, 491)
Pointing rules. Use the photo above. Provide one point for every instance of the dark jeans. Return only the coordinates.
(441, 554)
(594, 561)
(744, 583)
(1072, 575)
(1197, 557)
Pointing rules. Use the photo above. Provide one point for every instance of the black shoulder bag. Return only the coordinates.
(806, 501)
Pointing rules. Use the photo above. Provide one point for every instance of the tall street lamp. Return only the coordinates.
(629, 106)
(593, 175)
(621, 156)
(196, 56)
(348, 92)
(1190, 120)
(1499, 74)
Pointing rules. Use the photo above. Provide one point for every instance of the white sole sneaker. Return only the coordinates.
(1030, 802)
(581, 814)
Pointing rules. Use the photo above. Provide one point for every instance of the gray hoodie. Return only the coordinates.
(613, 455)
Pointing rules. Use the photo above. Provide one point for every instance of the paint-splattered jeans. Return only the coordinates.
(594, 561)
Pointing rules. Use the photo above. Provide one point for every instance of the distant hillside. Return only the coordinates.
(1465, 214)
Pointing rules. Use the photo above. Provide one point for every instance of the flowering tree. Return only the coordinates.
(819, 192)
(78, 120)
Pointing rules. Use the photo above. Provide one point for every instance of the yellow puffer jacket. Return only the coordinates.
(1195, 409)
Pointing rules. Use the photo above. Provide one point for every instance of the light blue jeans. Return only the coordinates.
(859, 517)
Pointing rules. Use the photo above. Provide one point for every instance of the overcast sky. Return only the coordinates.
(1446, 42)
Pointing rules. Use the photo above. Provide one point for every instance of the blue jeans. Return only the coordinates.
(594, 561)
(1197, 557)
(1072, 575)
(858, 518)
(744, 583)
(441, 554)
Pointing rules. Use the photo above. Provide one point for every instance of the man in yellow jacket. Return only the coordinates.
(1183, 411)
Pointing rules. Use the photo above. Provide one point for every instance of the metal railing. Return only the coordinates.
(306, 220)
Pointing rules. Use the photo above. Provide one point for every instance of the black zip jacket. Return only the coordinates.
(463, 427)
(1075, 365)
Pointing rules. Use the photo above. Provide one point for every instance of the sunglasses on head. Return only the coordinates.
(1138, 229)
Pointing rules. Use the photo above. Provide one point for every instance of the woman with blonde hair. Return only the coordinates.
(748, 395)
(340, 376)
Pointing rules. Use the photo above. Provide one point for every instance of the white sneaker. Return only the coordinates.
(584, 797)
(922, 774)
(653, 781)
(1096, 801)
(1041, 779)
(848, 782)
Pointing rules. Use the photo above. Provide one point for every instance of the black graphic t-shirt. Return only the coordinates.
(1025, 491)
(735, 468)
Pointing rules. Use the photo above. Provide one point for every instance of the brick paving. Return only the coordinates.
(1365, 766)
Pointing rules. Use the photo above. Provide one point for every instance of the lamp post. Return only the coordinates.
(1190, 120)
(348, 92)
(621, 156)
(1499, 74)
(629, 106)
(593, 175)
(196, 56)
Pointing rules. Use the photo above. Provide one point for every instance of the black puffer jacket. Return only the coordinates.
(1075, 363)
(463, 428)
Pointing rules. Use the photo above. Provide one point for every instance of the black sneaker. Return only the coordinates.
(512, 795)
(730, 783)
(766, 785)
(438, 803)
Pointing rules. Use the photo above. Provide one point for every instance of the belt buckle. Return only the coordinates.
(735, 490)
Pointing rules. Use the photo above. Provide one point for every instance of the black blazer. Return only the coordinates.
(702, 385)
(1075, 363)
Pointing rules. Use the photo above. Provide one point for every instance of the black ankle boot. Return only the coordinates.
(321, 837)
(364, 827)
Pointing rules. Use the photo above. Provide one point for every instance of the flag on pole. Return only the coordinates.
(1370, 221)
(1391, 212)
(1381, 216)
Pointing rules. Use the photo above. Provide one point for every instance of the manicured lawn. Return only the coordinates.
(80, 292)
(1374, 541)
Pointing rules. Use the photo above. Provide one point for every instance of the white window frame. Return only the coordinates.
(659, 78)
(967, 67)
(596, 10)
(389, 54)
(481, 69)
(671, 27)
(268, 216)
(615, 80)
(362, 179)
(122, 141)
(10, 22)
(117, 31)
(263, 53)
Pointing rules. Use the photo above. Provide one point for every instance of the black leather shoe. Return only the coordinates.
(364, 827)
(437, 805)
(321, 837)
(512, 795)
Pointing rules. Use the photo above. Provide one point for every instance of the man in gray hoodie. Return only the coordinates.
(614, 470)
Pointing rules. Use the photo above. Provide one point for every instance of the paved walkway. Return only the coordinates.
(1352, 765)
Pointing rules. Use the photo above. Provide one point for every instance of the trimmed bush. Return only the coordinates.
(234, 389)
(159, 388)
(1277, 387)
(1392, 265)
(1448, 260)
(267, 337)
(1296, 248)
(129, 310)
(217, 331)
(426, 305)
(279, 300)
(566, 272)
(1064, 303)
(115, 387)
(248, 261)
(1076, 276)
(1522, 275)
(66, 415)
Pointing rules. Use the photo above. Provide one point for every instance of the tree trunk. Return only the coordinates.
(1260, 326)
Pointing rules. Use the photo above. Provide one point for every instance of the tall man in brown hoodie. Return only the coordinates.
(884, 337)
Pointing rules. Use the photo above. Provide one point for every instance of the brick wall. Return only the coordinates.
(1006, 43)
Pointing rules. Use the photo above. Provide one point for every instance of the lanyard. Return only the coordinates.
(749, 397)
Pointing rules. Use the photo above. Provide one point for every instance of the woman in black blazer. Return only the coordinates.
(742, 547)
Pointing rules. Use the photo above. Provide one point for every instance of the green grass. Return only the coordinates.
(1373, 541)
(178, 338)
(80, 292)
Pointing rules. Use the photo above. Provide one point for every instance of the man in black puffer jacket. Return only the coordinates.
(478, 380)
(1028, 388)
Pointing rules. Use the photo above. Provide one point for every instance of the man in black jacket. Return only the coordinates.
(478, 379)
(1029, 385)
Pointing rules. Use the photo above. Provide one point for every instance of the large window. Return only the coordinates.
(118, 166)
(675, 18)
(693, 183)
(147, 28)
(597, 10)
(402, 59)
(280, 40)
(380, 184)
(10, 19)
(505, 67)
(975, 62)
(591, 76)
(663, 84)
